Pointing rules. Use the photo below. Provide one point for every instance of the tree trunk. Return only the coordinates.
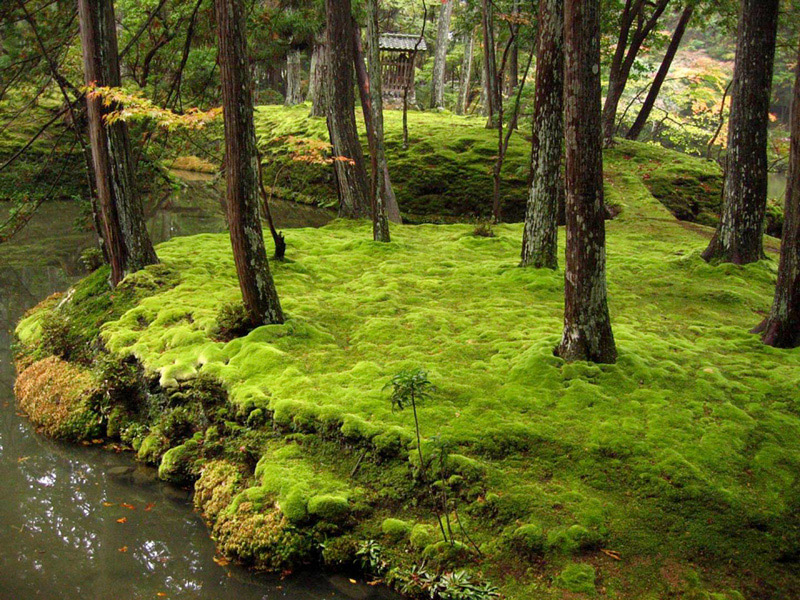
(294, 78)
(512, 75)
(540, 236)
(124, 233)
(348, 164)
(739, 235)
(440, 56)
(587, 326)
(241, 168)
(782, 327)
(383, 186)
(489, 64)
(644, 113)
(625, 56)
(317, 79)
(466, 75)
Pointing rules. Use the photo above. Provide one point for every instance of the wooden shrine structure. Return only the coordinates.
(397, 58)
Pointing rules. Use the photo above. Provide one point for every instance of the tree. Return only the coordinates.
(351, 174)
(490, 81)
(629, 43)
(466, 74)
(739, 235)
(540, 236)
(294, 77)
(317, 77)
(241, 168)
(587, 326)
(440, 56)
(782, 327)
(655, 88)
(382, 185)
(124, 234)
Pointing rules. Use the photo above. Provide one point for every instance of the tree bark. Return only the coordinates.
(489, 64)
(241, 168)
(348, 164)
(294, 78)
(383, 186)
(512, 75)
(124, 232)
(782, 327)
(317, 79)
(466, 74)
(739, 235)
(625, 56)
(440, 55)
(540, 235)
(587, 326)
(652, 95)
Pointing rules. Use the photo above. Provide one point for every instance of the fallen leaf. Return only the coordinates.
(221, 560)
(22, 459)
(98, 441)
(108, 504)
(149, 506)
(122, 520)
(123, 549)
(128, 506)
(162, 594)
(612, 553)
(353, 581)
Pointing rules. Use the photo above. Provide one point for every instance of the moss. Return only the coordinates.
(445, 555)
(182, 464)
(152, 448)
(573, 540)
(60, 399)
(529, 539)
(396, 529)
(577, 577)
(333, 509)
(422, 535)
(216, 487)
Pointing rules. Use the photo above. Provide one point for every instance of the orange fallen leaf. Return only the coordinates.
(98, 441)
(128, 506)
(353, 581)
(108, 504)
(221, 561)
(149, 506)
(122, 520)
(22, 459)
(123, 549)
(611, 553)
(162, 594)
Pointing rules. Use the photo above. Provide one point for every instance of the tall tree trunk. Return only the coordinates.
(381, 183)
(124, 233)
(294, 78)
(782, 327)
(466, 74)
(540, 236)
(649, 102)
(440, 55)
(625, 56)
(317, 85)
(512, 74)
(348, 164)
(587, 326)
(489, 64)
(739, 235)
(241, 168)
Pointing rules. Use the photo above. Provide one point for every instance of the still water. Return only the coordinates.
(86, 523)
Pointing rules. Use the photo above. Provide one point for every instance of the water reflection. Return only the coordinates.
(85, 523)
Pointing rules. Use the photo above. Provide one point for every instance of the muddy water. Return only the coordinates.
(85, 523)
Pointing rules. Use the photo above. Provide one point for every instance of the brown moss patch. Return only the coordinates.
(57, 396)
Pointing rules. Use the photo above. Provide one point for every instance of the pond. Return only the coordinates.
(88, 523)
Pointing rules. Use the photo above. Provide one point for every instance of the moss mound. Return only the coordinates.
(60, 398)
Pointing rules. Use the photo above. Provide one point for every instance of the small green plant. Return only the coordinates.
(411, 387)
(370, 555)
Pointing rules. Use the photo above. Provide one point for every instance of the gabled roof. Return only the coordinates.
(401, 42)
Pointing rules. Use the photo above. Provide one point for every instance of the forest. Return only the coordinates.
(383, 299)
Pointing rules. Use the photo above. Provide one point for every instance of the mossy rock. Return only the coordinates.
(396, 530)
(330, 508)
(529, 539)
(59, 398)
(152, 448)
(573, 540)
(182, 464)
(446, 554)
(422, 536)
(578, 578)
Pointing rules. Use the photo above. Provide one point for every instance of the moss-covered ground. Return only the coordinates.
(671, 474)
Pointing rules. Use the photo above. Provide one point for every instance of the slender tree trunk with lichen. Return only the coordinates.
(440, 54)
(489, 64)
(782, 327)
(655, 88)
(241, 168)
(587, 326)
(348, 163)
(317, 85)
(466, 74)
(540, 234)
(122, 218)
(740, 231)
